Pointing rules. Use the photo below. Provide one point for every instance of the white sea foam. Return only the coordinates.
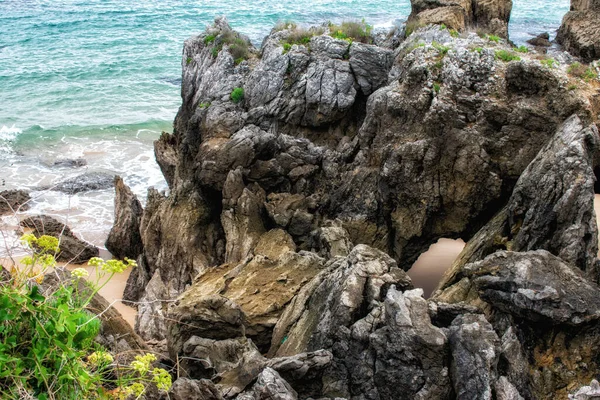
(7, 133)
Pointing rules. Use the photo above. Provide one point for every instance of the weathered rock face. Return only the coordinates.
(124, 238)
(293, 212)
(491, 16)
(579, 32)
(12, 201)
(546, 283)
(71, 249)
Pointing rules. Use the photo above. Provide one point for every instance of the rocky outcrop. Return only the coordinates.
(12, 201)
(294, 210)
(490, 16)
(124, 239)
(83, 183)
(579, 32)
(71, 249)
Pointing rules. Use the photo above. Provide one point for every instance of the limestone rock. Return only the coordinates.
(12, 201)
(579, 32)
(475, 347)
(124, 239)
(537, 286)
(191, 389)
(591, 392)
(72, 249)
(491, 16)
(270, 386)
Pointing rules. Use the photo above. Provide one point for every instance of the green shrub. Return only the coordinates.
(549, 62)
(237, 95)
(506, 56)
(352, 31)
(283, 25)
(300, 36)
(47, 336)
(581, 71)
(443, 50)
(209, 39)
(493, 38)
(189, 60)
(522, 49)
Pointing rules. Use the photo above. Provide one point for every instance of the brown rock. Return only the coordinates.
(72, 249)
(12, 201)
(579, 32)
(124, 239)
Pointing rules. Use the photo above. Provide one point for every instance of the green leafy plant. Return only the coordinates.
(352, 31)
(572, 87)
(204, 105)
(522, 49)
(478, 49)
(209, 39)
(47, 336)
(436, 87)
(493, 38)
(581, 71)
(189, 60)
(549, 62)
(454, 33)
(506, 56)
(237, 95)
(442, 50)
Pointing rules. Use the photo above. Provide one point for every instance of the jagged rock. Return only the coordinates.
(303, 371)
(579, 32)
(370, 65)
(591, 392)
(543, 40)
(165, 152)
(70, 163)
(84, 183)
(489, 15)
(537, 286)
(332, 239)
(150, 319)
(475, 347)
(72, 249)
(261, 285)
(549, 225)
(505, 390)
(12, 201)
(191, 389)
(124, 239)
(269, 386)
(442, 314)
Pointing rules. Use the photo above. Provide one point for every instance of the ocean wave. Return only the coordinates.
(7, 133)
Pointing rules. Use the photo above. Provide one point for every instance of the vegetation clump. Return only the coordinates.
(507, 56)
(522, 49)
(549, 62)
(581, 71)
(442, 50)
(352, 31)
(299, 36)
(493, 38)
(239, 48)
(237, 95)
(47, 336)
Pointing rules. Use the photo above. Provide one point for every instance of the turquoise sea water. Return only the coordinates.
(99, 79)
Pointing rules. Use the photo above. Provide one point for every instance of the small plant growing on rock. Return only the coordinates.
(443, 50)
(412, 26)
(189, 60)
(237, 95)
(506, 56)
(352, 31)
(454, 33)
(581, 71)
(204, 105)
(209, 39)
(549, 62)
(493, 38)
(522, 49)
(300, 36)
(285, 25)
(436, 87)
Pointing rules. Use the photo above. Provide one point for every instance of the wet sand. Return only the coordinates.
(112, 292)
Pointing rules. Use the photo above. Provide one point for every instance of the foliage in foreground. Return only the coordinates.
(47, 337)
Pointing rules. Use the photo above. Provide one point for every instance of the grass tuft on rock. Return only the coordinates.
(237, 95)
(506, 56)
(352, 31)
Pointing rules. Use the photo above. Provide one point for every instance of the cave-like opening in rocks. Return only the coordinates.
(429, 268)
